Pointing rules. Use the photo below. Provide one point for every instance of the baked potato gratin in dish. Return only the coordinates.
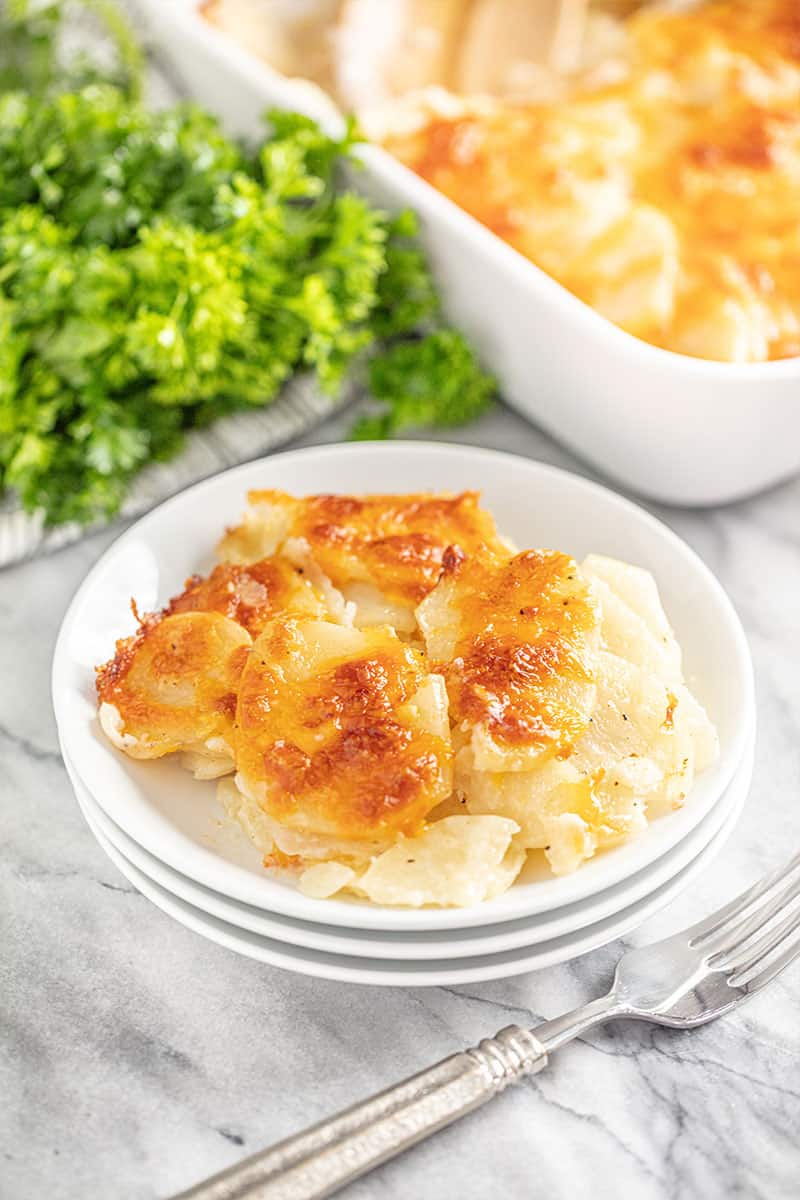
(401, 705)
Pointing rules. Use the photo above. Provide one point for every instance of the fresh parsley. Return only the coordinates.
(154, 275)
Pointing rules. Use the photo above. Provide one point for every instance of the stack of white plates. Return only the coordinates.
(167, 834)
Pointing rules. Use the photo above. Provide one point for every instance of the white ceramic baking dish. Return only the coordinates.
(678, 429)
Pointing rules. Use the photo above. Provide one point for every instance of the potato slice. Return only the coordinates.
(172, 687)
(341, 733)
(456, 861)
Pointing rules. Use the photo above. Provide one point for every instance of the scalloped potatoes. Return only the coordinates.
(379, 554)
(341, 734)
(404, 706)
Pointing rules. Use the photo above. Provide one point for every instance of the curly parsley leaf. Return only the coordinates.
(435, 380)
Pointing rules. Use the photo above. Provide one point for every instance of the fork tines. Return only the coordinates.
(742, 938)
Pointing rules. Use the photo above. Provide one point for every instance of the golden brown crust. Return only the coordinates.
(396, 542)
(174, 683)
(331, 743)
(183, 655)
(522, 666)
(248, 594)
(341, 737)
(109, 674)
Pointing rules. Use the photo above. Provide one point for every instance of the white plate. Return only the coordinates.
(446, 944)
(685, 430)
(177, 819)
(384, 972)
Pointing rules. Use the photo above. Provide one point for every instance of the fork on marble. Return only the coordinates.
(683, 981)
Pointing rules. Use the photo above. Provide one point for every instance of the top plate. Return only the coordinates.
(177, 818)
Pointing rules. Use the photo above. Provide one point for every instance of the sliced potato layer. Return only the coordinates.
(251, 594)
(515, 641)
(382, 553)
(342, 733)
(173, 686)
(639, 752)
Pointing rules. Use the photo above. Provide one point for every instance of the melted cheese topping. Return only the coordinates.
(666, 200)
(515, 643)
(173, 686)
(637, 755)
(383, 553)
(251, 594)
(341, 732)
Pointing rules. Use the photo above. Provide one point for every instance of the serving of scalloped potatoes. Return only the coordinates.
(402, 707)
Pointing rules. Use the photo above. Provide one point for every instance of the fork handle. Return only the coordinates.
(320, 1160)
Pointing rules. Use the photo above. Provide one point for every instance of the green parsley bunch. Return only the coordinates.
(155, 274)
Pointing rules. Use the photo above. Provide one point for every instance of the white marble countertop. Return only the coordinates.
(135, 1057)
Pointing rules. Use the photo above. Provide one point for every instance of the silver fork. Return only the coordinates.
(683, 981)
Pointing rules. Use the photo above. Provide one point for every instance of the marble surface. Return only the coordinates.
(135, 1057)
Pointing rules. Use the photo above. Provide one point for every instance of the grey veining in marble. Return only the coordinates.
(136, 1057)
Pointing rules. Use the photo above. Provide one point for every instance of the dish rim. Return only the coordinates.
(205, 866)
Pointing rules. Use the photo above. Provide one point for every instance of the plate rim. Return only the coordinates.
(472, 940)
(195, 920)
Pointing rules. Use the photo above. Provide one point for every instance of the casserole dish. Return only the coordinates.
(680, 430)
